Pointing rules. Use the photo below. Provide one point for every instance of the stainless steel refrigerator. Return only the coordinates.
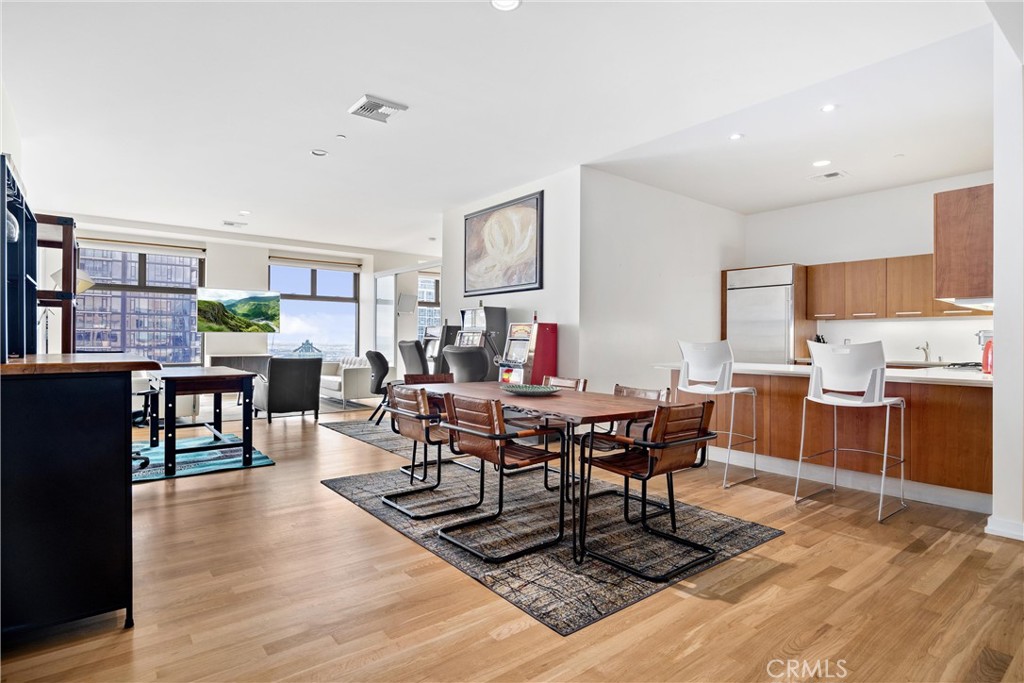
(760, 313)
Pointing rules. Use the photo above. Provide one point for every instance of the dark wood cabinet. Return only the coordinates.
(826, 291)
(865, 289)
(951, 431)
(65, 494)
(963, 243)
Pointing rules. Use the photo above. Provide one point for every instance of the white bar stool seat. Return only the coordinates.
(835, 370)
(707, 370)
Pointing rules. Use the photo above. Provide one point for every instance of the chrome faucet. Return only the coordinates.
(927, 351)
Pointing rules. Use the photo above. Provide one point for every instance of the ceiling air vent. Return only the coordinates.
(828, 177)
(234, 224)
(375, 108)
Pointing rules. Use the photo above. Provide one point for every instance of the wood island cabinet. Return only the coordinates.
(826, 291)
(947, 432)
(952, 435)
(865, 288)
(744, 424)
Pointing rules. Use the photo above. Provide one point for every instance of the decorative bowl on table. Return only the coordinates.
(530, 389)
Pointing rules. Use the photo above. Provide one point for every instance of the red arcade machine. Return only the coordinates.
(531, 351)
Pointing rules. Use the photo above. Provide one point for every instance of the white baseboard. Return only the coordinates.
(862, 481)
(1007, 528)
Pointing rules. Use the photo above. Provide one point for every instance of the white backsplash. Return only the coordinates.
(953, 340)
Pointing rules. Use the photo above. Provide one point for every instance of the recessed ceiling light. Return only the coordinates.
(432, 239)
(823, 162)
(828, 107)
(319, 152)
(243, 212)
(341, 135)
(736, 136)
(505, 5)
(899, 155)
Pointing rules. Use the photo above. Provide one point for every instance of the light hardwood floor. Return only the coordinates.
(267, 575)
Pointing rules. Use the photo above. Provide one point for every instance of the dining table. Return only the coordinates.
(579, 410)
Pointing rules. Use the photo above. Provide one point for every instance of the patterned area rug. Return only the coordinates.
(191, 464)
(547, 584)
(381, 436)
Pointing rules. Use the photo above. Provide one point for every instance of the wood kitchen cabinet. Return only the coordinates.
(909, 286)
(861, 428)
(951, 429)
(744, 424)
(963, 243)
(865, 289)
(826, 291)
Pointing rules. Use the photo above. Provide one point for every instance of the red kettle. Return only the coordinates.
(986, 358)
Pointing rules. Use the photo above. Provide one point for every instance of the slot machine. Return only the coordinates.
(531, 351)
(434, 340)
(483, 326)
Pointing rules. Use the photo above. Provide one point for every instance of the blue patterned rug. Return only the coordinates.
(192, 464)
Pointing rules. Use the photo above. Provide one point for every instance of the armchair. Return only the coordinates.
(291, 384)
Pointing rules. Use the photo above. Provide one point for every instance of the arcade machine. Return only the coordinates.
(484, 327)
(436, 338)
(530, 353)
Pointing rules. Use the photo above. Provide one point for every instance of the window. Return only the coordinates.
(141, 303)
(428, 308)
(319, 312)
(385, 315)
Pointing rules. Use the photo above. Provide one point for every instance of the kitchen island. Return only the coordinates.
(65, 487)
(947, 436)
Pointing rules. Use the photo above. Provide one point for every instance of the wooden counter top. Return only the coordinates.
(75, 363)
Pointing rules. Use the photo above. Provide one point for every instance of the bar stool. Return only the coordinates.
(851, 368)
(712, 362)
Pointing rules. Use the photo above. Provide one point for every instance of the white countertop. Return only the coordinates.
(957, 377)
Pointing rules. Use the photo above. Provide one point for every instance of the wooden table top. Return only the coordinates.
(191, 372)
(577, 407)
(76, 363)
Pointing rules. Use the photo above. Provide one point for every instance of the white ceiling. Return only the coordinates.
(931, 106)
(186, 113)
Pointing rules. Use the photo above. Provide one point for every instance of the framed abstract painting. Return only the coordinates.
(504, 247)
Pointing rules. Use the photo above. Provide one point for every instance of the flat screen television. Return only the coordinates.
(238, 310)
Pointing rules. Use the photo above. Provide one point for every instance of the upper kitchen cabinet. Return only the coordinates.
(826, 291)
(963, 243)
(908, 285)
(865, 289)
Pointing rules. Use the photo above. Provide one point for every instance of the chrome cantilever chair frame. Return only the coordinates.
(425, 421)
(873, 397)
(699, 441)
(456, 433)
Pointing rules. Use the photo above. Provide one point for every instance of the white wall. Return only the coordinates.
(1008, 376)
(405, 324)
(231, 266)
(559, 300)
(10, 140)
(896, 222)
(651, 264)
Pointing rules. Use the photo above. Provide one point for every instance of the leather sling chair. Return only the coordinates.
(477, 427)
(671, 442)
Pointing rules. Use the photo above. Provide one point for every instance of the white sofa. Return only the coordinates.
(348, 379)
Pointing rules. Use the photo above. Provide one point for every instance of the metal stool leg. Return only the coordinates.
(752, 440)
(800, 459)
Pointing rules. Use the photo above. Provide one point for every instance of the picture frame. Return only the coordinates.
(504, 247)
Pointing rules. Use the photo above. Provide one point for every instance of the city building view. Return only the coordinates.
(134, 308)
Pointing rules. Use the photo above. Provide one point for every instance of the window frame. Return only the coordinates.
(142, 288)
(313, 296)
